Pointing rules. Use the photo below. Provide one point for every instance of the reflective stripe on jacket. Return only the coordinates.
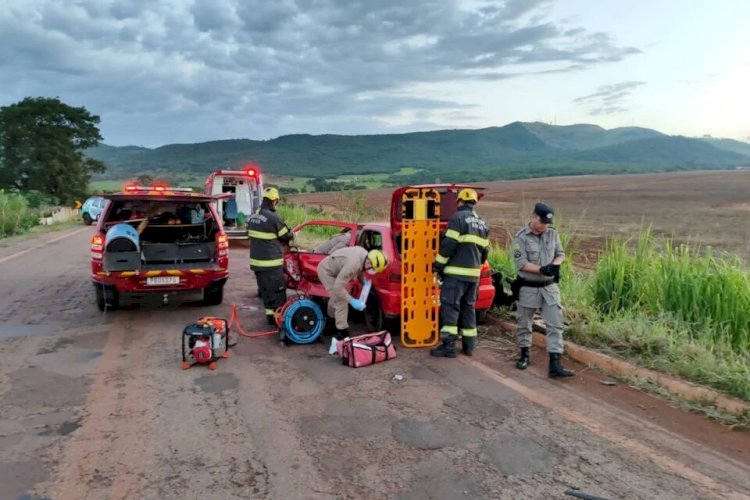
(267, 232)
(465, 245)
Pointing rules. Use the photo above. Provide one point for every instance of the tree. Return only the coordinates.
(41, 147)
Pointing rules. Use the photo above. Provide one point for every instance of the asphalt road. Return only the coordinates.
(96, 406)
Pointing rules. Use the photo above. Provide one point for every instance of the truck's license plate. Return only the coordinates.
(163, 280)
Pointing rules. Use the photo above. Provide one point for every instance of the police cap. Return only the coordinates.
(545, 212)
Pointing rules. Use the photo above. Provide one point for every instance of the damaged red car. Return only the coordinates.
(383, 307)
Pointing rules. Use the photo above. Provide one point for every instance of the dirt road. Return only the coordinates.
(96, 406)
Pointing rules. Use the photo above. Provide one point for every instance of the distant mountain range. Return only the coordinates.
(515, 150)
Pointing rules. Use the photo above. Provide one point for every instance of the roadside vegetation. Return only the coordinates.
(16, 216)
(351, 207)
(673, 309)
(36, 175)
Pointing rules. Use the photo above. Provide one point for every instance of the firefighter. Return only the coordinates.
(463, 250)
(336, 272)
(538, 254)
(268, 233)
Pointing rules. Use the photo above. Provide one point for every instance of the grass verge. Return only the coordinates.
(671, 309)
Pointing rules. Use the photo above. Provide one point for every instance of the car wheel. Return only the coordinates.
(104, 303)
(87, 219)
(375, 320)
(213, 295)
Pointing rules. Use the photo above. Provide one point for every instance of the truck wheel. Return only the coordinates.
(213, 295)
(104, 303)
(87, 219)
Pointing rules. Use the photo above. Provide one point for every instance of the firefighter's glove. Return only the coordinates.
(550, 270)
(357, 304)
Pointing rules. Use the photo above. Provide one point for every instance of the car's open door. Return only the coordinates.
(301, 261)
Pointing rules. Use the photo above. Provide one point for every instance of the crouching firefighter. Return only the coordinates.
(337, 271)
(268, 233)
(538, 254)
(463, 250)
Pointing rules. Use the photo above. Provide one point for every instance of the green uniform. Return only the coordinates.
(538, 291)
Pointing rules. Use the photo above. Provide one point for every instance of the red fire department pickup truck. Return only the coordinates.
(158, 240)
(383, 307)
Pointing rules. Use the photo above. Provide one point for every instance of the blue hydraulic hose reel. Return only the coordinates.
(303, 322)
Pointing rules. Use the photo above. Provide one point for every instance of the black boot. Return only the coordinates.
(525, 359)
(556, 368)
(447, 350)
(468, 344)
(342, 334)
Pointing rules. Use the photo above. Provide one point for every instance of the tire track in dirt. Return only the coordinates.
(107, 457)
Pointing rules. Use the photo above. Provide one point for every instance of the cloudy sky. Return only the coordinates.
(160, 72)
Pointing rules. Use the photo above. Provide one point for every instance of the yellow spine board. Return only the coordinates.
(420, 295)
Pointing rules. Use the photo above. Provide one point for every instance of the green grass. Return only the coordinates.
(16, 216)
(105, 186)
(297, 183)
(113, 186)
(672, 309)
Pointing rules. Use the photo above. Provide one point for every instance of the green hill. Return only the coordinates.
(514, 150)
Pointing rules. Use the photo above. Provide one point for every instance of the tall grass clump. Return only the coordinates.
(15, 215)
(501, 261)
(294, 215)
(710, 295)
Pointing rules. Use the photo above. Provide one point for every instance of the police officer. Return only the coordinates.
(268, 233)
(538, 254)
(462, 251)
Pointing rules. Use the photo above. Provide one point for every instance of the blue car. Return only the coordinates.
(91, 209)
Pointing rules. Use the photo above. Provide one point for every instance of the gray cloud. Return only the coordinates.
(608, 99)
(192, 70)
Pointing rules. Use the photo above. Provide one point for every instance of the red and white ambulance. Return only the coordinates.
(246, 186)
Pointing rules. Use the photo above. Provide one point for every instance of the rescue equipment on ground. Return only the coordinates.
(205, 342)
(299, 320)
(367, 349)
(420, 295)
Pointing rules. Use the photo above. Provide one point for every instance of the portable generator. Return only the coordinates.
(204, 342)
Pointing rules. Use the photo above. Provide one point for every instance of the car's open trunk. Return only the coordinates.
(165, 243)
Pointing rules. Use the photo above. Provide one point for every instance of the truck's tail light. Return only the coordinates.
(97, 246)
(222, 244)
(485, 271)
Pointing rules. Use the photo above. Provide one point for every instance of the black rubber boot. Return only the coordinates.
(525, 359)
(447, 350)
(468, 344)
(556, 368)
(342, 334)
